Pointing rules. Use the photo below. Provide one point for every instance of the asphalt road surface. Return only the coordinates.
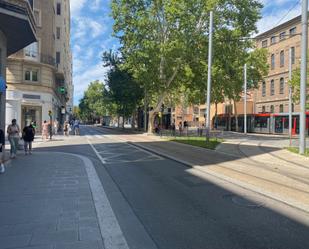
(163, 204)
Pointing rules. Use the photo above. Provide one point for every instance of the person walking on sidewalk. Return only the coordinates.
(28, 136)
(76, 127)
(2, 143)
(66, 128)
(13, 136)
(45, 129)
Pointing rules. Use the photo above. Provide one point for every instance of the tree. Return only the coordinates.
(295, 84)
(95, 102)
(123, 90)
(164, 44)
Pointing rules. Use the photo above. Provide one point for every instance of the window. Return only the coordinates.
(293, 31)
(34, 75)
(293, 54)
(27, 75)
(58, 57)
(31, 75)
(37, 17)
(293, 108)
(273, 61)
(31, 51)
(263, 89)
(58, 32)
(273, 40)
(272, 109)
(272, 87)
(59, 9)
(281, 108)
(282, 35)
(282, 58)
(281, 85)
(264, 44)
(263, 109)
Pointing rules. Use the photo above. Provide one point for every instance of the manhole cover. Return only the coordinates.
(243, 201)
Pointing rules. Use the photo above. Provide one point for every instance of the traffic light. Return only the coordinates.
(50, 113)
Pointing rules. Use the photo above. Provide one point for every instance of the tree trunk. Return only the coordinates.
(133, 121)
(236, 116)
(216, 115)
(145, 111)
(118, 117)
(151, 121)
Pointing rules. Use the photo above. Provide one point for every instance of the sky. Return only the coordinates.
(91, 34)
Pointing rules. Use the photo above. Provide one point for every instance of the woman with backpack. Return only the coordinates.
(28, 137)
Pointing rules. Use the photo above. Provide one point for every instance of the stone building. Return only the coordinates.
(272, 96)
(17, 30)
(39, 77)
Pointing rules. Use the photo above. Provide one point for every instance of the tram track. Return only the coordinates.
(261, 164)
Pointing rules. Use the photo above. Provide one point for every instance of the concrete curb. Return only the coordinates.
(243, 185)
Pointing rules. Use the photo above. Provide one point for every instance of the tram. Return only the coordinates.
(267, 123)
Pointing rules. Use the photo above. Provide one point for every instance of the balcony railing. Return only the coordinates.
(31, 3)
(38, 57)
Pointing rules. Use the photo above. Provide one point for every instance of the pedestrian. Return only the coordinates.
(28, 137)
(173, 128)
(180, 128)
(56, 126)
(2, 143)
(45, 129)
(66, 128)
(13, 136)
(76, 127)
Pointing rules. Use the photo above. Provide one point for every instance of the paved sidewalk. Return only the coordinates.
(47, 204)
(270, 171)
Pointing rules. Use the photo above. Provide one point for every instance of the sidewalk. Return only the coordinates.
(270, 171)
(48, 205)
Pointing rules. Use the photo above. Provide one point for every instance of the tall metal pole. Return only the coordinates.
(290, 97)
(245, 99)
(303, 81)
(209, 77)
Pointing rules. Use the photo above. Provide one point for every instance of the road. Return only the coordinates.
(160, 203)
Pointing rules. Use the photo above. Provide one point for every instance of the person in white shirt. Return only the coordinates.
(13, 136)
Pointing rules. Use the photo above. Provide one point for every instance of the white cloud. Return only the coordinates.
(271, 19)
(83, 79)
(76, 6)
(87, 27)
(95, 5)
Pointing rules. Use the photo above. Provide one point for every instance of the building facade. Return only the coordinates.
(17, 30)
(39, 77)
(272, 96)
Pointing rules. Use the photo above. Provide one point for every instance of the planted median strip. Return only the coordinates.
(296, 150)
(198, 141)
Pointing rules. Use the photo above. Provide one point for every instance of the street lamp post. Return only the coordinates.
(290, 97)
(245, 99)
(303, 82)
(209, 77)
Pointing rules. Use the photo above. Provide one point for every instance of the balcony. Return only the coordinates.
(17, 23)
(31, 3)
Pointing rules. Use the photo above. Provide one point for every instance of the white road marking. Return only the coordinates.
(137, 148)
(96, 152)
